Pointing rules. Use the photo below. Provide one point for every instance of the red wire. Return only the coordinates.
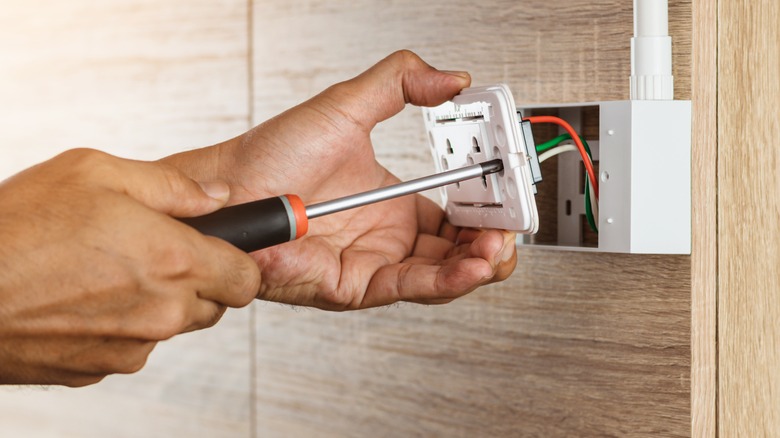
(585, 159)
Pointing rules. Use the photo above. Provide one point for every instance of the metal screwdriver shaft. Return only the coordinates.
(404, 188)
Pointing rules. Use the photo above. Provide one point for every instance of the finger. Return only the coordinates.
(432, 247)
(96, 356)
(415, 282)
(468, 235)
(204, 314)
(505, 267)
(167, 190)
(227, 275)
(382, 91)
(160, 186)
(429, 215)
(448, 231)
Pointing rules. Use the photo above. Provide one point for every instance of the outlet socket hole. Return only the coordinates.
(484, 182)
(449, 147)
(497, 154)
(475, 145)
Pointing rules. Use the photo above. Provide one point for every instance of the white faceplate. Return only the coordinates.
(480, 124)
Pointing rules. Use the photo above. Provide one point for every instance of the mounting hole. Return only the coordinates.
(512, 192)
(475, 145)
(604, 176)
(444, 164)
(449, 147)
(500, 135)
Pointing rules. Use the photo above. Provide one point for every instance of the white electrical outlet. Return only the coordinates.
(480, 124)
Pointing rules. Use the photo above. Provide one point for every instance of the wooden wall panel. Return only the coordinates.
(573, 344)
(748, 224)
(143, 79)
(704, 218)
(704, 263)
(138, 78)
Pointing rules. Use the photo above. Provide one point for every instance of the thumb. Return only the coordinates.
(166, 189)
(383, 90)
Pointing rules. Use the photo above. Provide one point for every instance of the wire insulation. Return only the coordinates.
(556, 151)
(552, 143)
(591, 208)
(577, 141)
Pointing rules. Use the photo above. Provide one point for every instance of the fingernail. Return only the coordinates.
(460, 74)
(508, 251)
(216, 189)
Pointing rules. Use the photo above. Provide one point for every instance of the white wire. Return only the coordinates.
(594, 203)
(557, 150)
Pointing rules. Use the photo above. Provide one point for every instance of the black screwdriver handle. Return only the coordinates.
(255, 225)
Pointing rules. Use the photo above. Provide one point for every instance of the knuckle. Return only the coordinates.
(135, 365)
(215, 317)
(248, 283)
(405, 56)
(175, 182)
(87, 161)
(176, 261)
(185, 192)
(241, 276)
(82, 381)
(172, 321)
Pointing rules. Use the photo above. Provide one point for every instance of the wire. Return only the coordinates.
(577, 141)
(591, 208)
(552, 143)
(557, 150)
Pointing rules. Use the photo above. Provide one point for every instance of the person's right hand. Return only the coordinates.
(94, 271)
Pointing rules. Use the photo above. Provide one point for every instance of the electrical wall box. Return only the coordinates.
(481, 124)
(642, 153)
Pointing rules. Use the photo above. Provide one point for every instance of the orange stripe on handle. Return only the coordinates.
(301, 220)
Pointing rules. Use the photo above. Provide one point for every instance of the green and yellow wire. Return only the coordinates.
(555, 142)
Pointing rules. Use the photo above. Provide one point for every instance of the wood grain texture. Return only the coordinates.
(137, 78)
(143, 79)
(573, 344)
(704, 221)
(748, 218)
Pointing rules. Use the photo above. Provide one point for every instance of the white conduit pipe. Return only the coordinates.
(651, 52)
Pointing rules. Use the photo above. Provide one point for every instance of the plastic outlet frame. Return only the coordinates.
(478, 125)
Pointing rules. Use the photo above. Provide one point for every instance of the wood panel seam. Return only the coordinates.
(250, 62)
(717, 220)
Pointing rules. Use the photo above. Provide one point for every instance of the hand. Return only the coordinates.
(94, 271)
(375, 255)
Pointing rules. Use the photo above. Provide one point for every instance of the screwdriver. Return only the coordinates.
(271, 221)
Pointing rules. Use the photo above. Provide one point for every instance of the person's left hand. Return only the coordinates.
(399, 250)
